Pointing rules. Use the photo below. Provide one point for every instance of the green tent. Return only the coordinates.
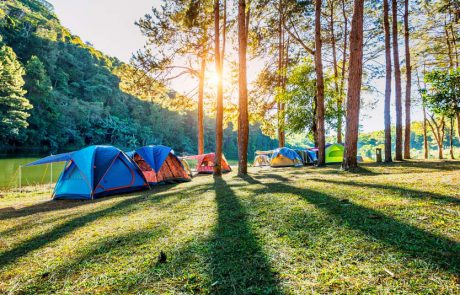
(334, 153)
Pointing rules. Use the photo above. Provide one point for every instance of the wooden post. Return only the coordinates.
(378, 155)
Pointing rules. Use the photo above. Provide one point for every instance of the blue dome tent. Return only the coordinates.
(95, 171)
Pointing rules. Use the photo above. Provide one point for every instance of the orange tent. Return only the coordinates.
(160, 165)
(205, 163)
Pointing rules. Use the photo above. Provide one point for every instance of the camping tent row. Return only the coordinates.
(97, 171)
(286, 157)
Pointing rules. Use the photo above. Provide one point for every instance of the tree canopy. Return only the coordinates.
(81, 96)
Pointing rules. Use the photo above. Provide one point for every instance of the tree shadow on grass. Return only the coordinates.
(372, 169)
(54, 205)
(266, 176)
(238, 263)
(395, 189)
(415, 166)
(66, 228)
(439, 251)
(95, 254)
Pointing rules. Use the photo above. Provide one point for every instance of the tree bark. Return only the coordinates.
(354, 87)
(398, 149)
(313, 125)
(319, 86)
(200, 106)
(243, 121)
(441, 141)
(407, 108)
(451, 141)
(453, 32)
(388, 74)
(458, 126)
(449, 45)
(220, 96)
(336, 76)
(438, 133)
(280, 104)
(425, 137)
(344, 63)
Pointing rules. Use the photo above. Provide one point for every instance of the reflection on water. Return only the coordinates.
(9, 171)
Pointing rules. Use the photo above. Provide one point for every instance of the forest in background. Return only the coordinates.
(74, 96)
(78, 96)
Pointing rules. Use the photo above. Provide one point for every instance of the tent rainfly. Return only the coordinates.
(334, 153)
(95, 171)
(159, 164)
(285, 157)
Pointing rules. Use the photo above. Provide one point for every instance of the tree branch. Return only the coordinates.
(297, 38)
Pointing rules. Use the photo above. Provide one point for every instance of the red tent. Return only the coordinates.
(205, 163)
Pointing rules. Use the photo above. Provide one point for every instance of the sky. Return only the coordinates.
(109, 26)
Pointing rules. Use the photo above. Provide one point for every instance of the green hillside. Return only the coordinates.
(76, 98)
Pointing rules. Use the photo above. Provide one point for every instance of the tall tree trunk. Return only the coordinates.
(438, 133)
(407, 108)
(243, 121)
(451, 141)
(387, 112)
(220, 94)
(280, 104)
(449, 45)
(441, 141)
(284, 67)
(344, 64)
(345, 48)
(440, 151)
(425, 137)
(453, 32)
(398, 149)
(336, 76)
(458, 126)
(200, 106)
(319, 86)
(354, 87)
(313, 125)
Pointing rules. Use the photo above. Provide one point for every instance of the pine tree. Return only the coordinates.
(243, 118)
(39, 93)
(398, 148)
(407, 105)
(13, 104)
(354, 88)
(388, 71)
(319, 86)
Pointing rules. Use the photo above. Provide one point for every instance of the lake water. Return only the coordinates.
(41, 174)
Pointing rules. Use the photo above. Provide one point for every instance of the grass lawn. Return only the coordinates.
(386, 229)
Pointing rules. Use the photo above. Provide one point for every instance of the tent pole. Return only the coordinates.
(51, 176)
(20, 177)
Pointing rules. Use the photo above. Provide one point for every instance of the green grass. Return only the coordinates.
(384, 229)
